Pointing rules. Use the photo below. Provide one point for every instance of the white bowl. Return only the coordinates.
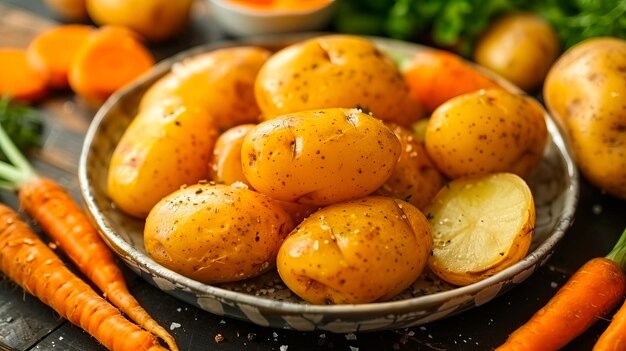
(241, 20)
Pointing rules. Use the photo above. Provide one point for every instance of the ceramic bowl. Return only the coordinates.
(242, 21)
(265, 300)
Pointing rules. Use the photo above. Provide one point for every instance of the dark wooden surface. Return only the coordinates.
(27, 324)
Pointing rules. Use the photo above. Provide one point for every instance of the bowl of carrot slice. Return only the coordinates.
(265, 300)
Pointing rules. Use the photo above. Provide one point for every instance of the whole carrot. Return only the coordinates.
(29, 262)
(61, 218)
(589, 294)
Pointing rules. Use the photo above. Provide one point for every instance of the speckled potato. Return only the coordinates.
(221, 82)
(359, 251)
(480, 226)
(487, 131)
(520, 47)
(164, 147)
(415, 178)
(335, 71)
(216, 233)
(225, 165)
(319, 157)
(585, 90)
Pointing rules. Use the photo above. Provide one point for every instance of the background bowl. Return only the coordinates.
(265, 300)
(239, 20)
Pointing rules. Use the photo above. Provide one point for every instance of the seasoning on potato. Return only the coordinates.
(164, 147)
(335, 71)
(585, 91)
(360, 251)
(216, 233)
(225, 165)
(221, 82)
(415, 179)
(319, 157)
(480, 226)
(487, 131)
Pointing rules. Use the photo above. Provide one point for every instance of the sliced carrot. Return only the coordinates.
(435, 76)
(52, 51)
(110, 58)
(29, 262)
(18, 79)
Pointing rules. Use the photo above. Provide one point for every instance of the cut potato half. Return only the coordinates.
(480, 225)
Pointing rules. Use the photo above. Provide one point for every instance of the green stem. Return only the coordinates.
(20, 172)
(618, 253)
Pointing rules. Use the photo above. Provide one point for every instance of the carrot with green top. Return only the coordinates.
(589, 294)
(29, 262)
(62, 219)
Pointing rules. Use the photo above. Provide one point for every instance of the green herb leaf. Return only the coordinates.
(22, 123)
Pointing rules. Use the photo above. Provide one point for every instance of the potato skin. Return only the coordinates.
(359, 251)
(221, 82)
(520, 47)
(164, 147)
(225, 165)
(335, 71)
(487, 131)
(584, 91)
(415, 178)
(319, 157)
(216, 233)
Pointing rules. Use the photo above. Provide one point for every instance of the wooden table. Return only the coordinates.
(27, 324)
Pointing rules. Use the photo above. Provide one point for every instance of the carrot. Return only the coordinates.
(29, 262)
(18, 79)
(111, 58)
(435, 76)
(62, 219)
(52, 51)
(614, 337)
(589, 294)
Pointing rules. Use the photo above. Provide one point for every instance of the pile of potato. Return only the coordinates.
(242, 160)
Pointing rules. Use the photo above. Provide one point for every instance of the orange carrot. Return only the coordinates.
(111, 58)
(52, 51)
(61, 218)
(18, 79)
(589, 294)
(29, 262)
(435, 76)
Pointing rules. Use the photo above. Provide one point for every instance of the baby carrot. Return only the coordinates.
(62, 219)
(18, 79)
(589, 294)
(53, 51)
(29, 262)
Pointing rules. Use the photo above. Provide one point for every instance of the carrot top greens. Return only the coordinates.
(22, 122)
(618, 253)
(14, 167)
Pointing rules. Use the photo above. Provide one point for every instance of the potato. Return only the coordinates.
(164, 147)
(415, 178)
(319, 157)
(334, 71)
(487, 131)
(225, 165)
(520, 47)
(221, 82)
(480, 226)
(359, 251)
(585, 90)
(216, 233)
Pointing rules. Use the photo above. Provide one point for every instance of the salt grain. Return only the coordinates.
(352, 348)
(350, 336)
(596, 209)
(553, 285)
(284, 347)
(174, 325)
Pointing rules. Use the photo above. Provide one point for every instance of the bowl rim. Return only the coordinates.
(251, 11)
(145, 263)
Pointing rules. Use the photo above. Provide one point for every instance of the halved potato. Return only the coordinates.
(480, 226)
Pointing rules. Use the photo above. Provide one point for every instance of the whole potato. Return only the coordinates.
(360, 251)
(334, 71)
(225, 165)
(216, 233)
(520, 47)
(487, 131)
(585, 91)
(221, 82)
(164, 147)
(319, 157)
(415, 178)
